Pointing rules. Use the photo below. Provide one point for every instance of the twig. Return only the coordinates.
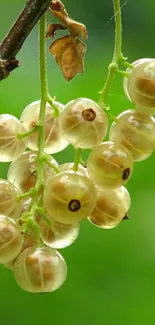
(15, 38)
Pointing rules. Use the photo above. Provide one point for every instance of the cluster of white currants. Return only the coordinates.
(95, 191)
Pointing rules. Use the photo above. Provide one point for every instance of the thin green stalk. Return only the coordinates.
(77, 159)
(117, 56)
(30, 221)
(51, 103)
(44, 92)
(56, 168)
(26, 134)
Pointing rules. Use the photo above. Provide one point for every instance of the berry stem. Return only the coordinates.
(26, 134)
(117, 56)
(51, 103)
(44, 92)
(48, 162)
(41, 123)
(77, 159)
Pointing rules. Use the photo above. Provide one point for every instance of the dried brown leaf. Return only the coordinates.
(59, 11)
(69, 54)
(52, 28)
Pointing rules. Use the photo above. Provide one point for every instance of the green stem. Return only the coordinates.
(48, 162)
(44, 92)
(77, 159)
(51, 102)
(26, 134)
(117, 56)
(123, 73)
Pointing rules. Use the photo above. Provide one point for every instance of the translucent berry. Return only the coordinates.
(29, 240)
(54, 141)
(111, 207)
(11, 240)
(84, 123)
(8, 200)
(69, 197)
(67, 167)
(110, 165)
(40, 269)
(10, 146)
(136, 131)
(140, 86)
(129, 70)
(22, 172)
(58, 235)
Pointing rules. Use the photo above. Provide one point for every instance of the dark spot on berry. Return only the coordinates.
(74, 205)
(126, 173)
(88, 114)
(126, 217)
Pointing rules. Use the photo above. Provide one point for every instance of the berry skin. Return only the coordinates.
(54, 141)
(140, 86)
(111, 207)
(11, 240)
(84, 124)
(129, 70)
(136, 131)
(29, 240)
(58, 235)
(110, 165)
(67, 167)
(8, 200)
(10, 146)
(69, 197)
(22, 171)
(40, 269)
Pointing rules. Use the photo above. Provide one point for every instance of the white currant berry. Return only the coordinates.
(11, 240)
(84, 123)
(58, 235)
(9, 206)
(22, 172)
(111, 207)
(69, 197)
(129, 70)
(29, 240)
(69, 166)
(40, 269)
(136, 131)
(54, 141)
(141, 86)
(10, 146)
(110, 165)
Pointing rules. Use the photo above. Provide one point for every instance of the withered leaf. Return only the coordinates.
(52, 28)
(69, 54)
(75, 28)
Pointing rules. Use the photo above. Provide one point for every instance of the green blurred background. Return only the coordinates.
(111, 273)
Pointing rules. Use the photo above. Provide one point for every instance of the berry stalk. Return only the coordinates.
(117, 56)
(44, 92)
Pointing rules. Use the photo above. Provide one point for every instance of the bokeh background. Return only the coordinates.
(111, 273)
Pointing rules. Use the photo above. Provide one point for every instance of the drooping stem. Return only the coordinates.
(117, 56)
(29, 218)
(44, 92)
